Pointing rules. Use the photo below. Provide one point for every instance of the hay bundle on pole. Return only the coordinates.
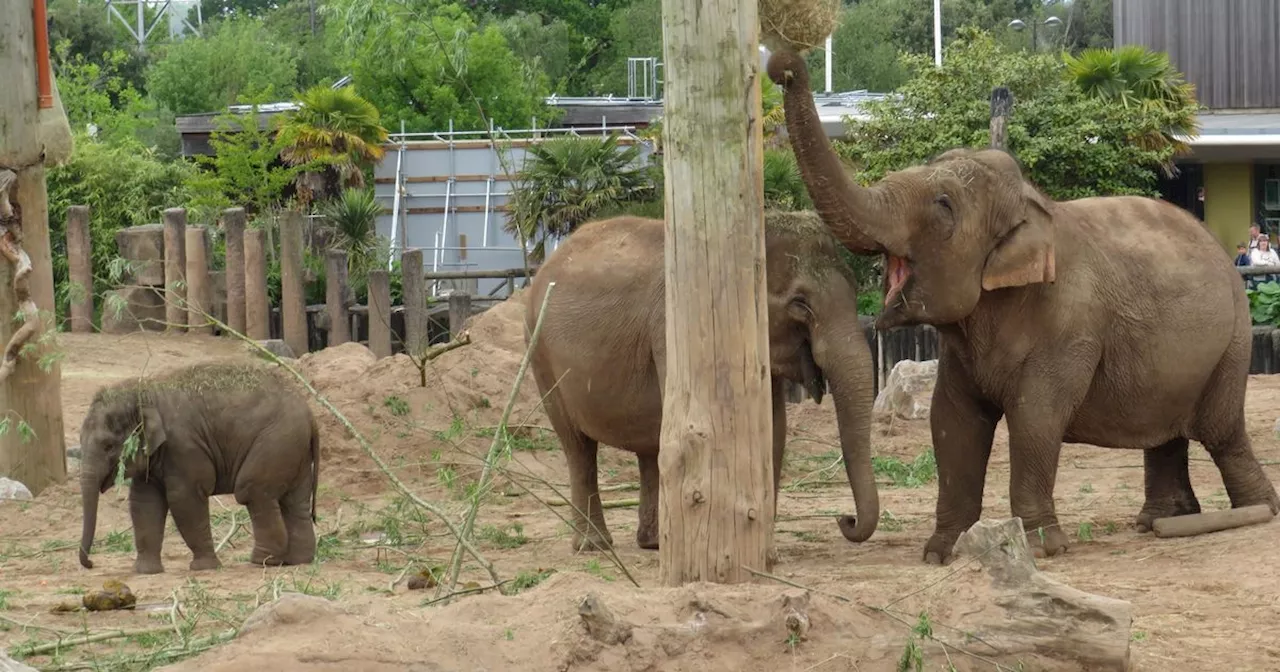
(797, 25)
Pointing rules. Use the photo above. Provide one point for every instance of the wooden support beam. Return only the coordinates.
(716, 495)
(335, 297)
(459, 311)
(257, 310)
(293, 308)
(1001, 107)
(380, 313)
(199, 287)
(80, 263)
(413, 287)
(233, 229)
(175, 267)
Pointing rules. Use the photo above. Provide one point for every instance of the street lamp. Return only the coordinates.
(1019, 25)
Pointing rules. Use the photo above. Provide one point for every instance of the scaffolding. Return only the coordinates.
(140, 28)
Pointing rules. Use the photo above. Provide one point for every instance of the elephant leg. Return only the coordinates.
(191, 516)
(1221, 429)
(270, 538)
(963, 428)
(295, 508)
(148, 509)
(647, 532)
(580, 451)
(1168, 484)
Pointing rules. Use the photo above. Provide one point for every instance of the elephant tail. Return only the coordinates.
(315, 464)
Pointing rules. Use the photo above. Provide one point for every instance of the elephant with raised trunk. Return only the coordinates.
(1115, 321)
(600, 359)
(203, 430)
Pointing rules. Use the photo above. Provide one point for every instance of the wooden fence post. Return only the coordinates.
(80, 261)
(293, 308)
(380, 313)
(459, 311)
(335, 296)
(413, 288)
(199, 289)
(233, 229)
(175, 266)
(1001, 106)
(257, 311)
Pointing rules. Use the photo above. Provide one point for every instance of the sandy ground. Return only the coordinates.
(1204, 602)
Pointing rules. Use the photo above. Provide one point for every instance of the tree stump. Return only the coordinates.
(379, 313)
(335, 297)
(293, 308)
(175, 266)
(233, 229)
(1037, 616)
(80, 260)
(199, 288)
(257, 310)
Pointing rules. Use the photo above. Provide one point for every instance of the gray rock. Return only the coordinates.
(289, 609)
(8, 664)
(908, 391)
(278, 348)
(11, 489)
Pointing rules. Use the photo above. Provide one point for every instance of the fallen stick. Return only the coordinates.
(1211, 521)
(606, 504)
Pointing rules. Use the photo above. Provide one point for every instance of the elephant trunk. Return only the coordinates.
(847, 208)
(90, 488)
(841, 350)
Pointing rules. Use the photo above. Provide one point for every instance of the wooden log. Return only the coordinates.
(293, 308)
(335, 297)
(717, 501)
(33, 452)
(257, 311)
(233, 229)
(199, 287)
(175, 267)
(1211, 521)
(459, 312)
(1001, 107)
(413, 287)
(380, 313)
(80, 263)
(1037, 620)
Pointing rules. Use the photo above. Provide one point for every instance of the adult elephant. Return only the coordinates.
(1115, 321)
(600, 359)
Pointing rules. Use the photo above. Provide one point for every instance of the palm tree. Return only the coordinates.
(1134, 75)
(354, 216)
(337, 128)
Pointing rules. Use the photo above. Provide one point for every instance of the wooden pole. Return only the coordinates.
(199, 287)
(335, 296)
(459, 311)
(32, 449)
(175, 266)
(293, 309)
(233, 229)
(716, 485)
(1001, 106)
(413, 288)
(380, 313)
(257, 311)
(80, 261)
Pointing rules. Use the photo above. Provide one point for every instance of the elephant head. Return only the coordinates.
(116, 414)
(964, 223)
(815, 340)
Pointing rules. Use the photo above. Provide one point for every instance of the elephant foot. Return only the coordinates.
(260, 557)
(148, 566)
(1047, 540)
(1165, 509)
(205, 563)
(647, 539)
(592, 541)
(938, 550)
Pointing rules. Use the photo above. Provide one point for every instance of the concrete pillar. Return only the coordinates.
(413, 287)
(335, 297)
(380, 313)
(80, 261)
(175, 266)
(293, 308)
(257, 309)
(199, 289)
(233, 229)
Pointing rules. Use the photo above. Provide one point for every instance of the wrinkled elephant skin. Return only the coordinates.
(600, 359)
(1117, 321)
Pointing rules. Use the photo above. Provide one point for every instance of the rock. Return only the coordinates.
(143, 309)
(8, 664)
(144, 247)
(277, 347)
(908, 391)
(289, 609)
(11, 489)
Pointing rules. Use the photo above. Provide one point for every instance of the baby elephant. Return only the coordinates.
(208, 429)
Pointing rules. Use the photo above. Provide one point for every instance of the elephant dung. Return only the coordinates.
(143, 308)
(908, 391)
(143, 247)
(1035, 619)
(11, 489)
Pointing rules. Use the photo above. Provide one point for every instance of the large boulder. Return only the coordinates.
(11, 489)
(908, 392)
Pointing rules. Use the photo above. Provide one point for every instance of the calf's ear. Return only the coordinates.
(153, 429)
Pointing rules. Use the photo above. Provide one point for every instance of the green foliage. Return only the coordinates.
(555, 47)
(336, 131)
(237, 60)
(635, 30)
(783, 186)
(353, 216)
(245, 169)
(427, 63)
(1264, 303)
(1070, 144)
(97, 91)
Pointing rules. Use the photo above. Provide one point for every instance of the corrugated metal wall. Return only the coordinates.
(1230, 49)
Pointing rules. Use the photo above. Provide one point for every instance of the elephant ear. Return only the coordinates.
(152, 429)
(1026, 254)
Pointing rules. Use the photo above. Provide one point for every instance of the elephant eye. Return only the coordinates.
(799, 308)
(945, 201)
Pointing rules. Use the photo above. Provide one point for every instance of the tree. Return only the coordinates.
(554, 47)
(338, 132)
(715, 516)
(427, 63)
(1072, 145)
(236, 60)
(635, 30)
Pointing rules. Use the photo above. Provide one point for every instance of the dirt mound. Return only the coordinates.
(574, 621)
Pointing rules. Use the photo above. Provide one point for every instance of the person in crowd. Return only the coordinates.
(1263, 255)
(1242, 254)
